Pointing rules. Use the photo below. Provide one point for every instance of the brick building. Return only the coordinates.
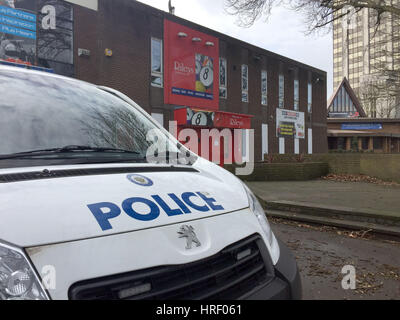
(349, 128)
(130, 46)
(364, 134)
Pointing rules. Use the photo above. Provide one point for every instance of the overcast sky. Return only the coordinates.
(282, 33)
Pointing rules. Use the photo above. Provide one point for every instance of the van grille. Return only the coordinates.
(230, 274)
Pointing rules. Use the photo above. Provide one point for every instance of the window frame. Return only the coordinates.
(296, 95)
(245, 79)
(157, 73)
(264, 93)
(281, 94)
(224, 87)
(245, 145)
(309, 97)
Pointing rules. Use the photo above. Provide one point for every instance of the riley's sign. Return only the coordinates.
(191, 67)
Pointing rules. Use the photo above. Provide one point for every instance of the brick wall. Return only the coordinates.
(126, 27)
(382, 166)
(286, 171)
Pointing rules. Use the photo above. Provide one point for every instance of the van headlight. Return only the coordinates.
(258, 211)
(18, 280)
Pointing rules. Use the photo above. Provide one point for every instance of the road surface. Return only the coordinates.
(322, 252)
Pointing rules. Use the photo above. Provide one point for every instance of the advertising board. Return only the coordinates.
(290, 123)
(191, 67)
(37, 33)
(213, 119)
(362, 126)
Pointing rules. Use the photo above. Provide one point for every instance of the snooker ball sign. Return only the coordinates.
(204, 76)
(191, 67)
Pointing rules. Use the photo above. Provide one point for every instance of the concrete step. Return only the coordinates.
(389, 219)
(328, 221)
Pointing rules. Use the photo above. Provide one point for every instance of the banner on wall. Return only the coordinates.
(290, 123)
(17, 32)
(191, 67)
(37, 33)
(213, 119)
(362, 126)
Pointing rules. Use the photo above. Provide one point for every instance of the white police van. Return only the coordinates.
(86, 215)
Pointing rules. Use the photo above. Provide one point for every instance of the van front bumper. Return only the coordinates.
(286, 284)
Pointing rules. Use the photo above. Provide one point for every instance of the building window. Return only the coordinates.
(341, 143)
(296, 146)
(296, 95)
(378, 143)
(365, 143)
(156, 63)
(223, 77)
(309, 98)
(281, 90)
(264, 130)
(264, 88)
(310, 141)
(281, 145)
(245, 83)
(245, 145)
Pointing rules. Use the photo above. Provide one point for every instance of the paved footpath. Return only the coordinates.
(322, 252)
(356, 195)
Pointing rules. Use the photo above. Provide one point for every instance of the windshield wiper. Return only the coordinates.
(66, 149)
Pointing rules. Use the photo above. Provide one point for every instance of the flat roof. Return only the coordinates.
(357, 133)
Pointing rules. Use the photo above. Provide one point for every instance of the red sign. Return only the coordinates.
(232, 120)
(191, 67)
(192, 117)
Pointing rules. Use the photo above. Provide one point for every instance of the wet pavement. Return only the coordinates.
(322, 252)
(354, 195)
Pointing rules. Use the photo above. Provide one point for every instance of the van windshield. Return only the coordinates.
(54, 118)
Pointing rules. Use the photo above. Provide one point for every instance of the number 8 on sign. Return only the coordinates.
(199, 119)
(207, 76)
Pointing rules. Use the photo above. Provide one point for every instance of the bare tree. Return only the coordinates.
(375, 97)
(369, 95)
(379, 98)
(318, 13)
(382, 86)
